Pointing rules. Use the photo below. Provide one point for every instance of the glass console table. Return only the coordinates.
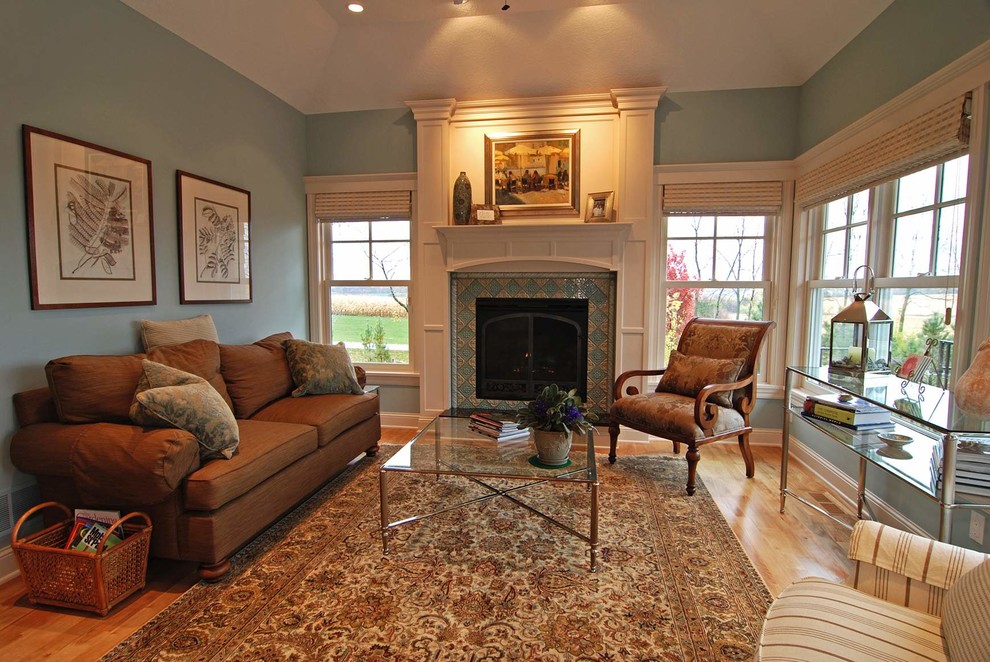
(926, 413)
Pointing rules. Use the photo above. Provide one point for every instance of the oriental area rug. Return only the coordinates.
(489, 581)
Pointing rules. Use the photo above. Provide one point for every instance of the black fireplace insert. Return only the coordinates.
(526, 344)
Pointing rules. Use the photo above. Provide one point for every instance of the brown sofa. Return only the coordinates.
(77, 439)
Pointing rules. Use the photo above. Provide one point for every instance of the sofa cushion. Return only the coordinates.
(687, 375)
(94, 389)
(265, 449)
(670, 414)
(198, 409)
(256, 374)
(815, 619)
(171, 332)
(966, 614)
(331, 415)
(200, 357)
(157, 375)
(319, 369)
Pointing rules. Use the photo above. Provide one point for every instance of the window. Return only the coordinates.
(910, 231)
(716, 267)
(369, 289)
(362, 269)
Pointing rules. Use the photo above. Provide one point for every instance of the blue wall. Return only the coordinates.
(357, 143)
(909, 41)
(100, 72)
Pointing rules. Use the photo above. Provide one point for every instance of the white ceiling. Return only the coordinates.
(319, 57)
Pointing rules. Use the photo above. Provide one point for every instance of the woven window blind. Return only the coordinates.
(936, 136)
(358, 205)
(723, 198)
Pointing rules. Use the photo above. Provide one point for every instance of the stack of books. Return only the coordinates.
(972, 470)
(494, 428)
(855, 414)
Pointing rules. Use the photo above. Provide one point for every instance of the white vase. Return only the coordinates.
(552, 446)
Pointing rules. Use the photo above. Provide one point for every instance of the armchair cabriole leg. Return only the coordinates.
(693, 456)
(747, 454)
(613, 440)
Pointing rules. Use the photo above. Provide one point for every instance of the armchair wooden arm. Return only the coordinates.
(626, 376)
(706, 413)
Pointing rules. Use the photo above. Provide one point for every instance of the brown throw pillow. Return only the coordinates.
(687, 375)
(157, 375)
(256, 374)
(94, 389)
(318, 368)
(200, 357)
(965, 615)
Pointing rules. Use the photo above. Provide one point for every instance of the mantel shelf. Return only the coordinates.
(451, 234)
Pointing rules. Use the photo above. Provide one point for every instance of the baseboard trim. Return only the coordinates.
(8, 565)
(843, 488)
(400, 420)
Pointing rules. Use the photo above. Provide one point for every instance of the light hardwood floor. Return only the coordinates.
(782, 547)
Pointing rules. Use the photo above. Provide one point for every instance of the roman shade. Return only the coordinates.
(723, 198)
(362, 205)
(936, 136)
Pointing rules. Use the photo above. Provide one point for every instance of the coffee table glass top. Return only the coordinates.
(447, 445)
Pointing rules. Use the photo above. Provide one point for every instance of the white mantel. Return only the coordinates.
(597, 245)
(616, 155)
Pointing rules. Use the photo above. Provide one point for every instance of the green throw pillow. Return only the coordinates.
(318, 368)
(687, 375)
(156, 375)
(199, 410)
(965, 615)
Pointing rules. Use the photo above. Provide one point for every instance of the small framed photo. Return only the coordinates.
(90, 228)
(485, 215)
(598, 208)
(214, 241)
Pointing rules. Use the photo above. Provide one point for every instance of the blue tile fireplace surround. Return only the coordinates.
(597, 287)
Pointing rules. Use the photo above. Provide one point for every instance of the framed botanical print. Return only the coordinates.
(214, 241)
(90, 227)
(536, 173)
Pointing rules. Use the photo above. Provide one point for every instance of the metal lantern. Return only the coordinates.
(861, 334)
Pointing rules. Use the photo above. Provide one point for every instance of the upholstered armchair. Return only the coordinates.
(705, 393)
(909, 598)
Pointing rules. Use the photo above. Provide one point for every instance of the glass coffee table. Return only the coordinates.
(447, 447)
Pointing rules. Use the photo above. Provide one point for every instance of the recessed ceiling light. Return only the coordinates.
(355, 7)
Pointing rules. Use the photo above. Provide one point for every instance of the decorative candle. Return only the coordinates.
(855, 355)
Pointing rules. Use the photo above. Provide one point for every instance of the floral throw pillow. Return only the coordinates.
(318, 368)
(199, 410)
(687, 375)
(156, 375)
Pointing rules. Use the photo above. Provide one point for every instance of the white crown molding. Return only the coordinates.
(432, 109)
(536, 108)
(637, 98)
(960, 76)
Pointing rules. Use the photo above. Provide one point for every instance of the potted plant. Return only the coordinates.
(553, 416)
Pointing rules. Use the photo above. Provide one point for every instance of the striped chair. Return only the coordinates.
(892, 610)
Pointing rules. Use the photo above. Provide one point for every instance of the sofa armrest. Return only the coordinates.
(109, 464)
(904, 568)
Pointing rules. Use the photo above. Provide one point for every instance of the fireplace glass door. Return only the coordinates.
(526, 344)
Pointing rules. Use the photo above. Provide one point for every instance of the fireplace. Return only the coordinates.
(593, 293)
(526, 344)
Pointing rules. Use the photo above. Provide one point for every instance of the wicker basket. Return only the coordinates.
(82, 580)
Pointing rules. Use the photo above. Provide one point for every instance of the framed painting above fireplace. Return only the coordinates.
(535, 173)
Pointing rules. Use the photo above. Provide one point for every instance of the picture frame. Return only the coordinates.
(90, 223)
(214, 240)
(598, 207)
(512, 158)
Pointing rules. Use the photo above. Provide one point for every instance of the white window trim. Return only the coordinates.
(319, 269)
(777, 258)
